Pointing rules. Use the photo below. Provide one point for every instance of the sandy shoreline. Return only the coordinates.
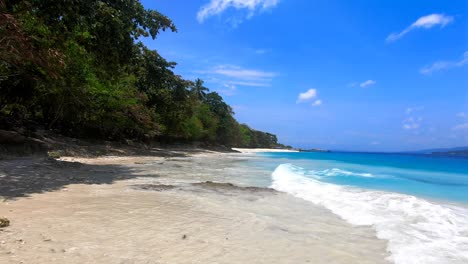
(257, 150)
(152, 210)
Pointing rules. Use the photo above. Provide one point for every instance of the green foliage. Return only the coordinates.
(257, 139)
(198, 90)
(79, 67)
(54, 154)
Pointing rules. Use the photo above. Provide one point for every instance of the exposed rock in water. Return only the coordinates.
(4, 222)
(153, 187)
(230, 186)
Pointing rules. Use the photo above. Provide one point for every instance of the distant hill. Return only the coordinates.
(456, 151)
(440, 150)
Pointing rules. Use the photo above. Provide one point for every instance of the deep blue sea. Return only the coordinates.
(416, 202)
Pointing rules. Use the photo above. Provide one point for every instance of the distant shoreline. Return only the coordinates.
(257, 150)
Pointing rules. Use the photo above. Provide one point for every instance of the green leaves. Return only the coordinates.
(78, 66)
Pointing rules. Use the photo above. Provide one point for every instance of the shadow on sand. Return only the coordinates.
(25, 176)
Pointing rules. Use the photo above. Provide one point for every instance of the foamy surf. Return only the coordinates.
(339, 172)
(417, 231)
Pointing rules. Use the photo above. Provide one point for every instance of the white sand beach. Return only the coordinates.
(257, 150)
(163, 210)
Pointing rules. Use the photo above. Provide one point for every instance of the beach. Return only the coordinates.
(233, 132)
(187, 207)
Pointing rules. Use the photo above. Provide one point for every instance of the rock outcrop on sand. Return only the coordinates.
(4, 222)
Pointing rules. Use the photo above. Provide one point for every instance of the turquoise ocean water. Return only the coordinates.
(418, 203)
(437, 177)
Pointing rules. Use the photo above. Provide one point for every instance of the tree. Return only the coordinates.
(80, 67)
(199, 90)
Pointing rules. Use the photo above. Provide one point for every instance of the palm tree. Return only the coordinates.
(199, 90)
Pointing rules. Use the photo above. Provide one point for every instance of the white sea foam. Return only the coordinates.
(339, 172)
(418, 231)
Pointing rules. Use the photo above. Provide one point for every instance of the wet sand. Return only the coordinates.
(163, 210)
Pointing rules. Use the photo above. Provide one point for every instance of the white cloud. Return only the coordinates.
(462, 115)
(375, 143)
(461, 126)
(244, 74)
(443, 65)
(306, 96)
(367, 83)
(215, 7)
(233, 75)
(412, 123)
(254, 84)
(409, 110)
(425, 22)
(317, 102)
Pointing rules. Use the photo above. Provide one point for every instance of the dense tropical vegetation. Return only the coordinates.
(79, 67)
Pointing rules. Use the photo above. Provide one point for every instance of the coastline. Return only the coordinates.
(257, 150)
(147, 209)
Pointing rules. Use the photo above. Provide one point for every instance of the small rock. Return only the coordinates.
(4, 222)
(184, 236)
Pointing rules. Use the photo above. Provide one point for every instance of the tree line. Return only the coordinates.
(79, 67)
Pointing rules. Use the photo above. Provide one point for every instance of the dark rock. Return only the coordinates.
(4, 222)
(153, 187)
(229, 186)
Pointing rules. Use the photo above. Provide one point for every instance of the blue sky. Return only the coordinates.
(348, 75)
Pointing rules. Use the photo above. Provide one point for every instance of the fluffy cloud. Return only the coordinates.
(215, 7)
(425, 22)
(306, 96)
(367, 83)
(443, 65)
(317, 103)
(309, 95)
